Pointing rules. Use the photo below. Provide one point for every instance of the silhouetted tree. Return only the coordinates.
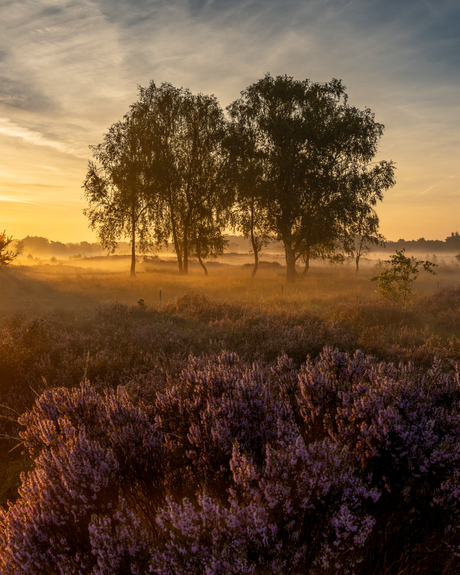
(362, 235)
(316, 152)
(184, 144)
(6, 255)
(206, 241)
(20, 247)
(118, 188)
(245, 172)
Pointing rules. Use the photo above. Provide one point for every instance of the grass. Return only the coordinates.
(46, 287)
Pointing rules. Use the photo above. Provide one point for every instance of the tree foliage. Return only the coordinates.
(245, 172)
(316, 154)
(183, 149)
(294, 162)
(396, 282)
(362, 234)
(122, 202)
(6, 255)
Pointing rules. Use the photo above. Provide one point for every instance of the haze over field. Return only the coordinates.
(69, 70)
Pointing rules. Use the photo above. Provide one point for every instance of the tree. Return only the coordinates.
(118, 188)
(186, 166)
(395, 283)
(206, 241)
(245, 169)
(362, 234)
(6, 255)
(318, 238)
(316, 151)
(20, 247)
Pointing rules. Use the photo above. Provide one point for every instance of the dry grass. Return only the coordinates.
(85, 283)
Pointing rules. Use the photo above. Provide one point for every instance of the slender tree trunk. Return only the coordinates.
(133, 240)
(176, 241)
(202, 265)
(255, 249)
(357, 264)
(307, 262)
(176, 244)
(133, 252)
(185, 246)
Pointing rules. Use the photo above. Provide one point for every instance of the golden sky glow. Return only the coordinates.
(68, 70)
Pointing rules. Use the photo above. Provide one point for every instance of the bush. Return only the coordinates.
(395, 283)
(345, 465)
(6, 255)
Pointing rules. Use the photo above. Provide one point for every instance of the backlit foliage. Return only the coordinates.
(6, 255)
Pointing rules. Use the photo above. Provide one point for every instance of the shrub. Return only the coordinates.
(6, 255)
(345, 465)
(395, 283)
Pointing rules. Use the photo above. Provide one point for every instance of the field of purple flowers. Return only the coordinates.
(213, 437)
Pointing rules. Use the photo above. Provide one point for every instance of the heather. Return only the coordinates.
(345, 465)
(231, 429)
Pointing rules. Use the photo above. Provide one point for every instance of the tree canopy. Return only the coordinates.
(122, 201)
(293, 161)
(317, 154)
(184, 134)
(6, 255)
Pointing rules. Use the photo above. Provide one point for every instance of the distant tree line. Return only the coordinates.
(451, 244)
(40, 246)
(291, 161)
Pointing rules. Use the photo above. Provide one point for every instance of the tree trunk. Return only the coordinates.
(307, 262)
(185, 246)
(202, 265)
(177, 245)
(291, 272)
(255, 249)
(357, 264)
(133, 253)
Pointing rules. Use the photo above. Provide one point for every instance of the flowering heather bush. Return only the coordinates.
(345, 465)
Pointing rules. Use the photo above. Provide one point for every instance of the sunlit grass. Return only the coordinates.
(86, 283)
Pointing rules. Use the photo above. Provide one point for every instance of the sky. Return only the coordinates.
(69, 69)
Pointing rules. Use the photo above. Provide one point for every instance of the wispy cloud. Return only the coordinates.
(9, 199)
(439, 183)
(11, 129)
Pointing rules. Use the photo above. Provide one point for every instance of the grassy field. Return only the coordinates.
(84, 283)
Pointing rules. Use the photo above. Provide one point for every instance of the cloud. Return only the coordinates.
(11, 129)
(8, 199)
(440, 182)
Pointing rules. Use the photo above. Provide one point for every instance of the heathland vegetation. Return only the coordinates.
(230, 427)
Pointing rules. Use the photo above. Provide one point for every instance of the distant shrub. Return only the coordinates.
(395, 283)
(6, 255)
(346, 465)
(443, 308)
